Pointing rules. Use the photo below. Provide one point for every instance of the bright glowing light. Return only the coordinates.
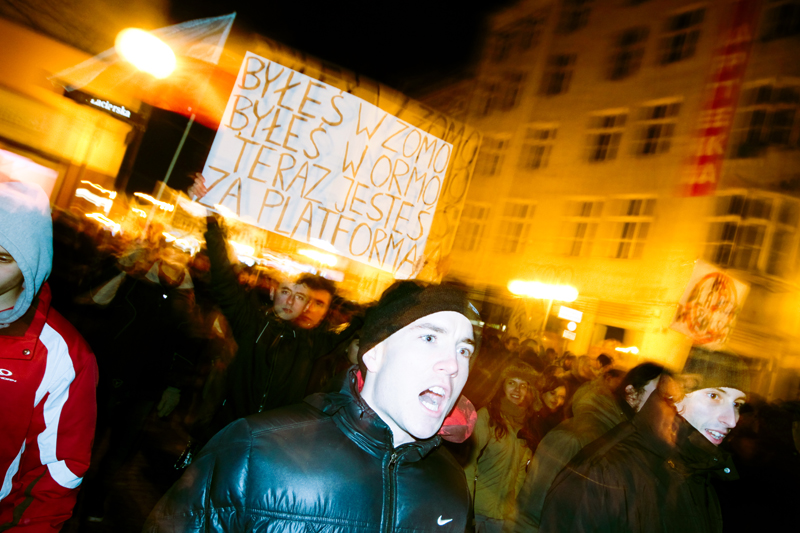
(162, 205)
(168, 236)
(105, 221)
(247, 260)
(631, 349)
(91, 197)
(189, 245)
(139, 212)
(225, 212)
(572, 326)
(320, 257)
(242, 249)
(146, 52)
(111, 194)
(545, 291)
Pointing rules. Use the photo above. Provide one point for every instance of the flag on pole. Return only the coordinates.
(197, 86)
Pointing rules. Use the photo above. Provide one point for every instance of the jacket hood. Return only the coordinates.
(597, 400)
(26, 232)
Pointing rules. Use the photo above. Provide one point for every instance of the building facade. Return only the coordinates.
(590, 111)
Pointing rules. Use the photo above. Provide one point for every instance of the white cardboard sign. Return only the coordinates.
(316, 164)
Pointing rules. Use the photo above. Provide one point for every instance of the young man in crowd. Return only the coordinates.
(320, 295)
(356, 460)
(653, 474)
(48, 375)
(277, 347)
(597, 408)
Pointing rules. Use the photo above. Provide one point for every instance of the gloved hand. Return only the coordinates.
(169, 401)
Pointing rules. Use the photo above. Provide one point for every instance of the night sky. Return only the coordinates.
(407, 45)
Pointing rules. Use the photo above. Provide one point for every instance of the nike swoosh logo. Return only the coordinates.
(443, 522)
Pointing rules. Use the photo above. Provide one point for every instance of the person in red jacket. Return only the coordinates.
(48, 375)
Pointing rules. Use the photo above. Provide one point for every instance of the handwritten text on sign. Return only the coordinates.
(306, 160)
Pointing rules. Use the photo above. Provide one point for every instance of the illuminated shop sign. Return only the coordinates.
(108, 106)
(116, 110)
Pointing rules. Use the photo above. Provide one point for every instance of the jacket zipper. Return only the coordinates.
(390, 510)
(271, 371)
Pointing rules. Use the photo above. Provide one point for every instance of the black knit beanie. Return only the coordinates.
(705, 369)
(406, 301)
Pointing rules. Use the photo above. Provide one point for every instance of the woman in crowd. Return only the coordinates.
(499, 457)
(552, 391)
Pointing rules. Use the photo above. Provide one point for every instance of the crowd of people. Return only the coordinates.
(301, 409)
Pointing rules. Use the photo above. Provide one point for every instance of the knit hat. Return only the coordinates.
(525, 372)
(520, 370)
(706, 369)
(406, 301)
(26, 232)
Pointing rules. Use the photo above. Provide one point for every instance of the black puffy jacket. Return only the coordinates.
(327, 464)
(651, 475)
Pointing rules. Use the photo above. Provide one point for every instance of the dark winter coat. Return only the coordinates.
(274, 360)
(327, 464)
(649, 475)
(597, 411)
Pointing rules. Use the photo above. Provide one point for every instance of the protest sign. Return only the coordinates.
(708, 308)
(309, 161)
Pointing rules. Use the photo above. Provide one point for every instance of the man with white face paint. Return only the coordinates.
(654, 473)
(366, 458)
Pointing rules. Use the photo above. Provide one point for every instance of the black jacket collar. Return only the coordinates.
(363, 426)
(670, 436)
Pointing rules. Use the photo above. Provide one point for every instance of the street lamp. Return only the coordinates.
(146, 52)
(150, 54)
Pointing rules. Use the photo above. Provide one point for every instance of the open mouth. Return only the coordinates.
(716, 436)
(433, 399)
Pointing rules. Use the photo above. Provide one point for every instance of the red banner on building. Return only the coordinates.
(702, 172)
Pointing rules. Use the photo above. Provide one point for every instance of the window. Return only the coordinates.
(491, 93)
(515, 225)
(491, 155)
(472, 226)
(574, 15)
(516, 38)
(513, 82)
(754, 233)
(656, 128)
(502, 93)
(605, 132)
(766, 118)
(628, 52)
(781, 19)
(631, 227)
(558, 74)
(580, 228)
(680, 37)
(537, 145)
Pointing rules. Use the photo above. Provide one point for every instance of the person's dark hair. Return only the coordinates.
(604, 360)
(551, 371)
(317, 283)
(547, 383)
(528, 355)
(639, 376)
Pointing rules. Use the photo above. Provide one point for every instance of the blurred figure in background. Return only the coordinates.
(653, 473)
(597, 411)
(48, 375)
(550, 412)
(499, 456)
(147, 353)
